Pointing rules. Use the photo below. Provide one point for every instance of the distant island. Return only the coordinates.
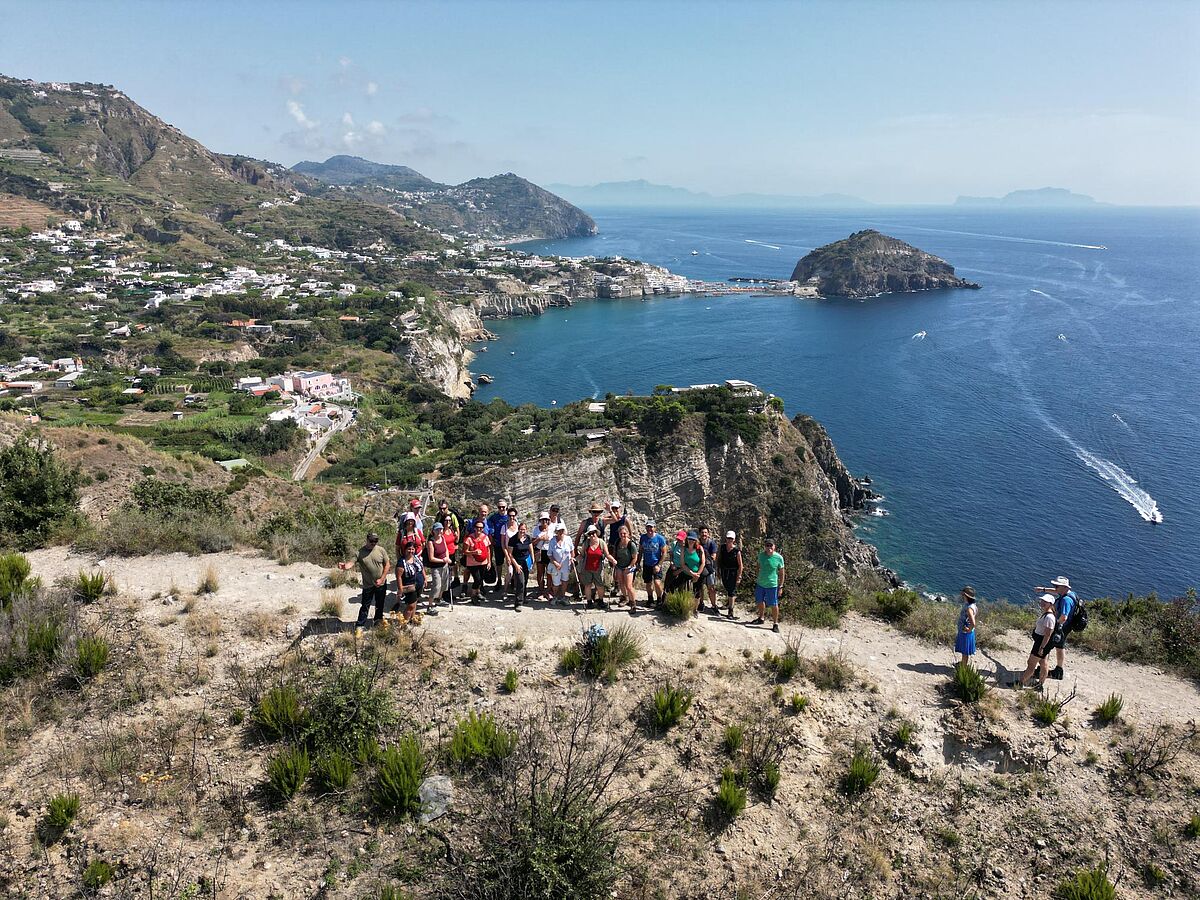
(868, 263)
(644, 193)
(1041, 198)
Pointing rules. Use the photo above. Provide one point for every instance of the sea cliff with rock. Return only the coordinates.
(869, 263)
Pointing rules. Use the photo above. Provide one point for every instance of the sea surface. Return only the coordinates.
(1047, 424)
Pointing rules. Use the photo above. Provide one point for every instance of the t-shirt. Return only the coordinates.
(768, 569)
(412, 569)
(624, 555)
(416, 539)
(451, 542)
(727, 557)
(652, 547)
(371, 563)
(598, 522)
(1045, 625)
(691, 559)
(560, 553)
(470, 527)
(497, 526)
(1064, 604)
(520, 549)
(593, 557)
(478, 550)
(677, 554)
(710, 555)
(614, 529)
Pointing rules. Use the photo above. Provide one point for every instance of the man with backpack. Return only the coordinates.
(1069, 615)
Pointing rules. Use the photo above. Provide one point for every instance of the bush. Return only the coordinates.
(133, 532)
(348, 709)
(478, 739)
(287, 771)
(861, 773)
(681, 605)
(783, 665)
(571, 660)
(1108, 711)
(42, 642)
(903, 735)
(38, 492)
(770, 778)
(510, 681)
(668, 704)
(14, 577)
(1045, 711)
(731, 796)
(1087, 884)
(799, 703)
(176, 499)
(893, 606)
(604, 657)
(398, 782)
(1192, 828)
(209, 582)
(831, 671)
(91, 656)
(89, 586)
(334, 772)
(821, 603)
(278, 714)
(61, 811)
(734, 735)
(967, 684)
(97, 874)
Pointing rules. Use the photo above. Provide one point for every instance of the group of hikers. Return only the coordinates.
(597, 562)
(1060, 613)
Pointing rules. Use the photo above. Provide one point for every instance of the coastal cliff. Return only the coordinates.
(440, 355)
(867, 264)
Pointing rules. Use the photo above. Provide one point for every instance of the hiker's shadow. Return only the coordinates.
(323, 625)
(927, 668)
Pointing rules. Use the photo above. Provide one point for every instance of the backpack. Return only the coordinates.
(1078, 620)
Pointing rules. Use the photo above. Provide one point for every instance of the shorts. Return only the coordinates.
(709, 579)
(767, 596)
(729, 581)
(649, 575)
(543, 558)
(559, 576)
(1036, 649)
(1059, 641)
(596, 578)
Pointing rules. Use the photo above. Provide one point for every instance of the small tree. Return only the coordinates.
(37, 492)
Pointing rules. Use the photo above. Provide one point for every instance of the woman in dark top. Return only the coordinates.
(624, 551)
(520, 553)
(729, 567)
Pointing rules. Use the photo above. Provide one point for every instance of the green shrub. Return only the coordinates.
(279, 714)
(348, 708)
(510, 681)
(1108, 711)
(479, 739)
(668, 704)
(904, 733)
(1192, 828)
(770, 778)
(334, 772)
(783, 665)
(605, 658)
(287, 771)
(367, 751)
(734, 735)
(38, 492)
(42, 641)
(14, 577)
(831, 671)
(967, 684)
(681, 605)
(62, 810)
(89, 586)
(130, 531)
(1153, 875)
(821, 602)
(97, 874)
(91, 655)
(893, 606)
(799, 703)
(861, 773)
(1087, 884)
(731, 796)
(1045, 711)
(398, 781)
(571, 660)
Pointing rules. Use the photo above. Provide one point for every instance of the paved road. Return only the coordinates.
(310, 457)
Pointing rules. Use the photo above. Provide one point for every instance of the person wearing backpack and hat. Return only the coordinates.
(1043, 640)
(1066, 608)
(964, 641)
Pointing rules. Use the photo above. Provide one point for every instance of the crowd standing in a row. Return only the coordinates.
(499, 554)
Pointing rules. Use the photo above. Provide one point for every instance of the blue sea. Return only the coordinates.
(1042, 426)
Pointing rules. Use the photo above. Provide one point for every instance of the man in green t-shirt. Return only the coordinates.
(374, 564)
(769, 584)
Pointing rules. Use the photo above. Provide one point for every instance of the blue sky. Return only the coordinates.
(893, 101)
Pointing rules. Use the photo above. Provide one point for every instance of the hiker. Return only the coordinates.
(651, 547)
(1066, 605)
(675, 574)
(593, 520)
(1043, 640)
(708, 578)
(594, 553)
(409, 535)
(452, 526)
(964, 640)
(561, 553)
(555, 518)
(519, 553)
(438, 555)
(769, 584)
(614, 519)
(729, 564)
(411, 581)
(541, 548)
(624, 553)
(374, 565)
(693, 566)
(501, 550)
(498, 531)
(478, 552)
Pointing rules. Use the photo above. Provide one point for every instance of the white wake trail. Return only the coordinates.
(763, 244)
(1116, 477)
(1004, 237)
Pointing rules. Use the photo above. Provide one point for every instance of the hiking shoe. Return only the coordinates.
(775, 628)
(1057, 673)
(758, 621)
(729, 613)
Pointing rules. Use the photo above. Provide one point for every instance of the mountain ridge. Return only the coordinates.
(1036, 198)
(640, 192)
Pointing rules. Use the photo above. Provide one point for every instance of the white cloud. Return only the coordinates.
(347, 120)
(345, 62)
(376, 127)
(351, 139)
(372, 88)
(296, 111)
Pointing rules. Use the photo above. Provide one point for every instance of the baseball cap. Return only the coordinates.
(650, 523)
(560, 527)
(437, 526)
(616, 504)
(543, 515)
(681, 534)
(414, 502)
(731, 534)
(372, 538)
(554, 507)
(1048, 598)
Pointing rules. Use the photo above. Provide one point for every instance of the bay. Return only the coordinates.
(1037, 428)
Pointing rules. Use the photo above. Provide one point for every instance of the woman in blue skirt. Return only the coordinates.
(964, 643)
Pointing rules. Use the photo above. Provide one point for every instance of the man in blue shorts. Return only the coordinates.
(769, 584)
(651, 547)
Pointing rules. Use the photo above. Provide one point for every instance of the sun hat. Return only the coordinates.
(591, 529)
(544, 515)
(692, 536)
(731, 534)
(1061, 581)
(596, 508)
(650, 523)
(968, 592)
(1048, 598)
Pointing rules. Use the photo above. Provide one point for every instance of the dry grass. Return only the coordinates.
(259, 625)
(332, 604)
(209, 582)
(203, 623)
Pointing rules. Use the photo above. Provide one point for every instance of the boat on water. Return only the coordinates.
(919, 336)
(695, 253)
(485, 379)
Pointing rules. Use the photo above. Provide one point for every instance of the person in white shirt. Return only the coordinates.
(1043, 638)
(562, 555)
(542, 533)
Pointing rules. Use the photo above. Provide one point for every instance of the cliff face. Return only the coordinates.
(781, 486)
(509, 306)
(869, 263)
(441, 355)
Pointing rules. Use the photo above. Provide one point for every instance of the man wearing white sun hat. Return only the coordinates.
(1065, 605)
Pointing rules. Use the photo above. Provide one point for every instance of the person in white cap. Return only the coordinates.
(730, 567)
(1043, 638)
(542, 533)
(1065, 605)
(651, 547)
(562, 554)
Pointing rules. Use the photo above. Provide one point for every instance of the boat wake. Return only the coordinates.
(763, 244)
(1116, 477)
(1041, 293)
(1005, 237)
(920, 336)
(1127, 426)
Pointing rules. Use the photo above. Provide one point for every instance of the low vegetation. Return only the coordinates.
(668, 704)
(730, 801)
(91, 655)
(479, 740)
(680, 605)
(1109, 710)
(287, 772)
(1087, 884)
(401, 769)
(831, 671)
(967, 684)
(861, 772)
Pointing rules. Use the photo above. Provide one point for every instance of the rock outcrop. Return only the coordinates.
(441, 355)
(868, 263)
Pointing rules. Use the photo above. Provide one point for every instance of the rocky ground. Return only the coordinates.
(981, 802)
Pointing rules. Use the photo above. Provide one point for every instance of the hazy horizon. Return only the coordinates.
(894, 103)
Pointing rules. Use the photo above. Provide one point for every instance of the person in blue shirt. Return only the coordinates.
(651, 547)
(1064, 605)
(497, 530)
